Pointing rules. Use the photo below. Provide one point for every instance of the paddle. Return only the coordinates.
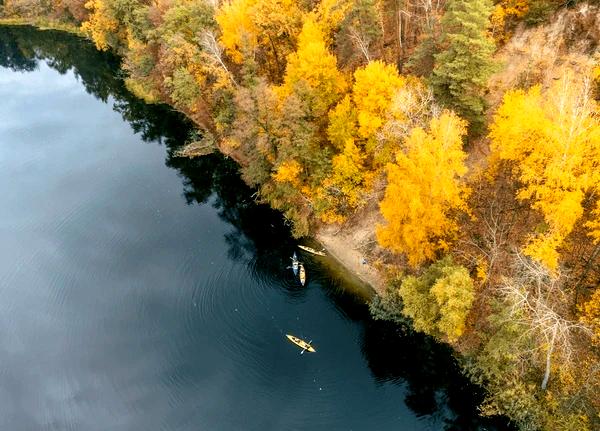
(303, 350)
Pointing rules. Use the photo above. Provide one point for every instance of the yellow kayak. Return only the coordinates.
(312, 250)
(302, 275)
(301, 343)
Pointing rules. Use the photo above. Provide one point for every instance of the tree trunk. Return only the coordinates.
(548, 359)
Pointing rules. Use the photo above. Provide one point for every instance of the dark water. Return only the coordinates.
(141, 291)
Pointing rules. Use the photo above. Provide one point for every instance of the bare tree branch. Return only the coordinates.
(537, 300)
(361, 43)
(211, 47)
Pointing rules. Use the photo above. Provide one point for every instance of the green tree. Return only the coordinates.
(439, 300)
(281, 150)
(464, 65)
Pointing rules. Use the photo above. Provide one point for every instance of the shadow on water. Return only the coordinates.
(259, 235)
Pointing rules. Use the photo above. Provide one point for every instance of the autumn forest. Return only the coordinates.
(480, 169)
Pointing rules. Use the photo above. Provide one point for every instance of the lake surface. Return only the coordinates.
(142, 291)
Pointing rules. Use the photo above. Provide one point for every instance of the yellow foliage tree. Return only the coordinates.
(362, 115)
(342, 121)
(288, 171)
(267, 28)
(113, 23)
(330, 13)
(374, 88)
(312, 84)
(590, 314)
(239, 34)
(505, 15)
(553, 141)
(102, 26)
(381, 103)
(349, 172)
(312, 71)
(423, 190)
(342, 190)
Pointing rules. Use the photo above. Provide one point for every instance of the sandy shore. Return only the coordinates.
(352, 245)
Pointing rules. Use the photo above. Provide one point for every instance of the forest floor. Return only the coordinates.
(542, 54)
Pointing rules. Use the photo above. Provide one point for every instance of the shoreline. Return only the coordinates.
(42, 24)
(342, 243)
(347, 244)
(342, 246)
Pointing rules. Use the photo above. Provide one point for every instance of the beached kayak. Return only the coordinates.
(312, 250)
